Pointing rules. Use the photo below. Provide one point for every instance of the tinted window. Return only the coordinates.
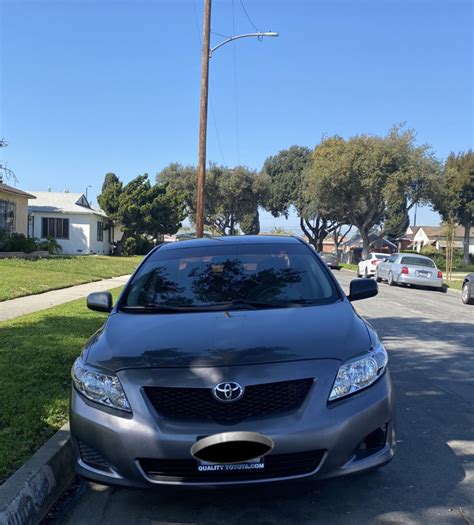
(380, 256)
(417, 261)
(219, 274)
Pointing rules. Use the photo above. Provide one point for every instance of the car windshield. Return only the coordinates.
(417, 261)
(380, 256)
(217, 275)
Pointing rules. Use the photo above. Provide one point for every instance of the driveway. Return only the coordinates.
(430, 340)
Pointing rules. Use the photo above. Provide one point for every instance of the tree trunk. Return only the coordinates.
(364, 233)
(120, 244)
(467, 231)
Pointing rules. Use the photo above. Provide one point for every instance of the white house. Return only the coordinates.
(436, 236)
(70, 219)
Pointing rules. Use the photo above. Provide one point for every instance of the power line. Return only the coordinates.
(235, 89)
(198, 29)
(248, 16)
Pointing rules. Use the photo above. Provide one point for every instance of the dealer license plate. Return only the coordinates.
(256, 464)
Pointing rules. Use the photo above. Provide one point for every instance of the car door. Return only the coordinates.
(384, 267)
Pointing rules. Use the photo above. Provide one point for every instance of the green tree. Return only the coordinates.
(286, 171)
(286, 175)
(142, 209)
(232, 195)
(250, 223)
(109, 198)
(453, 197)
(371, 182)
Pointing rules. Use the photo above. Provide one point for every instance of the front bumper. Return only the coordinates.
(334, 431)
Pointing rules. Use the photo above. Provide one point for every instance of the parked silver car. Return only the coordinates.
(408, 268)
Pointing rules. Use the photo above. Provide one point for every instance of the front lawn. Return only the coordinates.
(20, 277)
(349, 266)
(36, 355)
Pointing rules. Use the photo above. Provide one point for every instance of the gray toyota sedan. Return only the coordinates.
(230, 361)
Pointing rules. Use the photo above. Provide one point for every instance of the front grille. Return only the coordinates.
(258, 400)
(276, 466)
(92, 457)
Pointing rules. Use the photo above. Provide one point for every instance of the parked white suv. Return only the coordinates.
(366, 267)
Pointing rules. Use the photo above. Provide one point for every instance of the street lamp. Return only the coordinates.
(206, 55)
(258, 35)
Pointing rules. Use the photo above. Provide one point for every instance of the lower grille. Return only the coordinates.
(276, 466)
(258, 400)
(92, 457)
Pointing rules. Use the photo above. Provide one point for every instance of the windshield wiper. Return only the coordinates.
(254, 305)
(152, 307)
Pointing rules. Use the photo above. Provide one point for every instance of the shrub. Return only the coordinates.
(130, 246)
(51, 245)
(16, 242)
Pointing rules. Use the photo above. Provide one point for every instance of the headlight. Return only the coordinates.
(101, 388)
(359, 373)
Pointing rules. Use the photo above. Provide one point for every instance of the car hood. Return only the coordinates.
(237, 337)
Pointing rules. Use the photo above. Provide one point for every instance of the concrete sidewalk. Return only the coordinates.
(34, 303)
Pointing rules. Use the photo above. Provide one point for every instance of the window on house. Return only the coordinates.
(100, 231)
(7, 216)
(55, 228)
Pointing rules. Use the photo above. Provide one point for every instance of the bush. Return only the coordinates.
(440, 258)
(50, 245)
(130, 246)
(16, 242)
(144, 246)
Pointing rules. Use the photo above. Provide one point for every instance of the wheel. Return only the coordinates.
(377, 278)
(466, 293)
(391, 281)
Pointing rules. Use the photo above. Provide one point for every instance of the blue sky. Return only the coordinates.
(89, 86)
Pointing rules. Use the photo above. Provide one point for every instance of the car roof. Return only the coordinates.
(230, 240)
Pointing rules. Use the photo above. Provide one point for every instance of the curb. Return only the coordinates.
(27, 495)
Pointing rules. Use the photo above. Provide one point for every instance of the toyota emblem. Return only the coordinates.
(227, 392)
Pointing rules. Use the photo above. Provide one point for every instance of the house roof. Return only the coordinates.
(434, 232)
(62, 202)
(356, 241)
(15, 191)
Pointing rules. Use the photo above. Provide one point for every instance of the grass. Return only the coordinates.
(20, 277)
(456, 285)
(36, 355)
(348, 266)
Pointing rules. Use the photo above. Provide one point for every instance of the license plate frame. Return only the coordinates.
(423, 273)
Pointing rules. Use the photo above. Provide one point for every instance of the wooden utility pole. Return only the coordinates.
(203, 119)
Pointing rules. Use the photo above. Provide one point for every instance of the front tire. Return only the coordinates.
(391, 280)
(466, 293)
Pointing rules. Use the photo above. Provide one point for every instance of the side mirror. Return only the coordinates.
(100, 301)
(362, 289)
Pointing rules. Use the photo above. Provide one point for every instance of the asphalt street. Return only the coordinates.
(430, 340)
